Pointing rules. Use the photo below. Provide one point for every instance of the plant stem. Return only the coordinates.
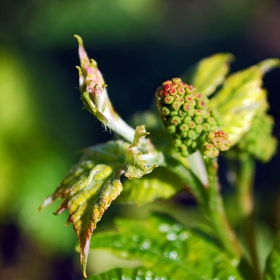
(245, 205)
(216, 213)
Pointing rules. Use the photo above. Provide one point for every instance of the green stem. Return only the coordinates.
(210, 202)
(245, 206)
(216, 213)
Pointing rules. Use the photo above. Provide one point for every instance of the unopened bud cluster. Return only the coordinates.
(258, 142)
(190, 121)
(216, 141)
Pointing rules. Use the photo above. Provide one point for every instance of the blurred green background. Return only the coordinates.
(137, 44)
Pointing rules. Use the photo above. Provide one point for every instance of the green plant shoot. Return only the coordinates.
(173, 148)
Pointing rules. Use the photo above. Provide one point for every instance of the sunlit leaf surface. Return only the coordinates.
(161, 183)
(129, 274)
(240, 97)
(209, 73)
(166, 249)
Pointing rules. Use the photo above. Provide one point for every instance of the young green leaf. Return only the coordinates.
(95, 97)
(272, 270)
(89, 188)
(240, 97)
(92, 184)
(141, 157)
(209, 73)
(167, 249)
(129, 274)
(161, 183)
(258, 142)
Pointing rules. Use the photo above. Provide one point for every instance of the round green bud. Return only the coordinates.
(183, 147)
(187, 119)
(192, 124)
(210, 151)
(198, 96)
(210, 135)
(173, 113)
(182, 113)
(193, 145)
(185, 153)
(168, 99)
(176, 80)
(180, 90)
(198, 129)
(187, 106)
(184, 134)
(211, 121)
(206, 126)
(176, 105)
(188, 142)
(180, 99)
(172, 91)
(198, 119)
(175, 120)
(190, 89)
(167, 82)
(192, 134)
(193, 102)
(219, 140)
(184, 127)
(190, 112)
(189, 98)
(165, 111)
(171, 129)
(177, 142)
(200, 104)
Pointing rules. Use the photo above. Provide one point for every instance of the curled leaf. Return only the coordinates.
(140, 156)
(95, 97)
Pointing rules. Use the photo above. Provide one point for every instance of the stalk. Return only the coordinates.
(216, 213)
(245, 205)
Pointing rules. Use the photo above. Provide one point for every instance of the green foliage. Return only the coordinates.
(89, 189)
(240, 98)
(272, 270)
(161, 183)
(202, 125)
(94, 183)
(258, 141)
(166, 250)
(129, 274)
(209, 73)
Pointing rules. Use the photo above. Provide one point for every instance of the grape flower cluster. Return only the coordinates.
(187, 117)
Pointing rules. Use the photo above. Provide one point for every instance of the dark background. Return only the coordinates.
(137, 44)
